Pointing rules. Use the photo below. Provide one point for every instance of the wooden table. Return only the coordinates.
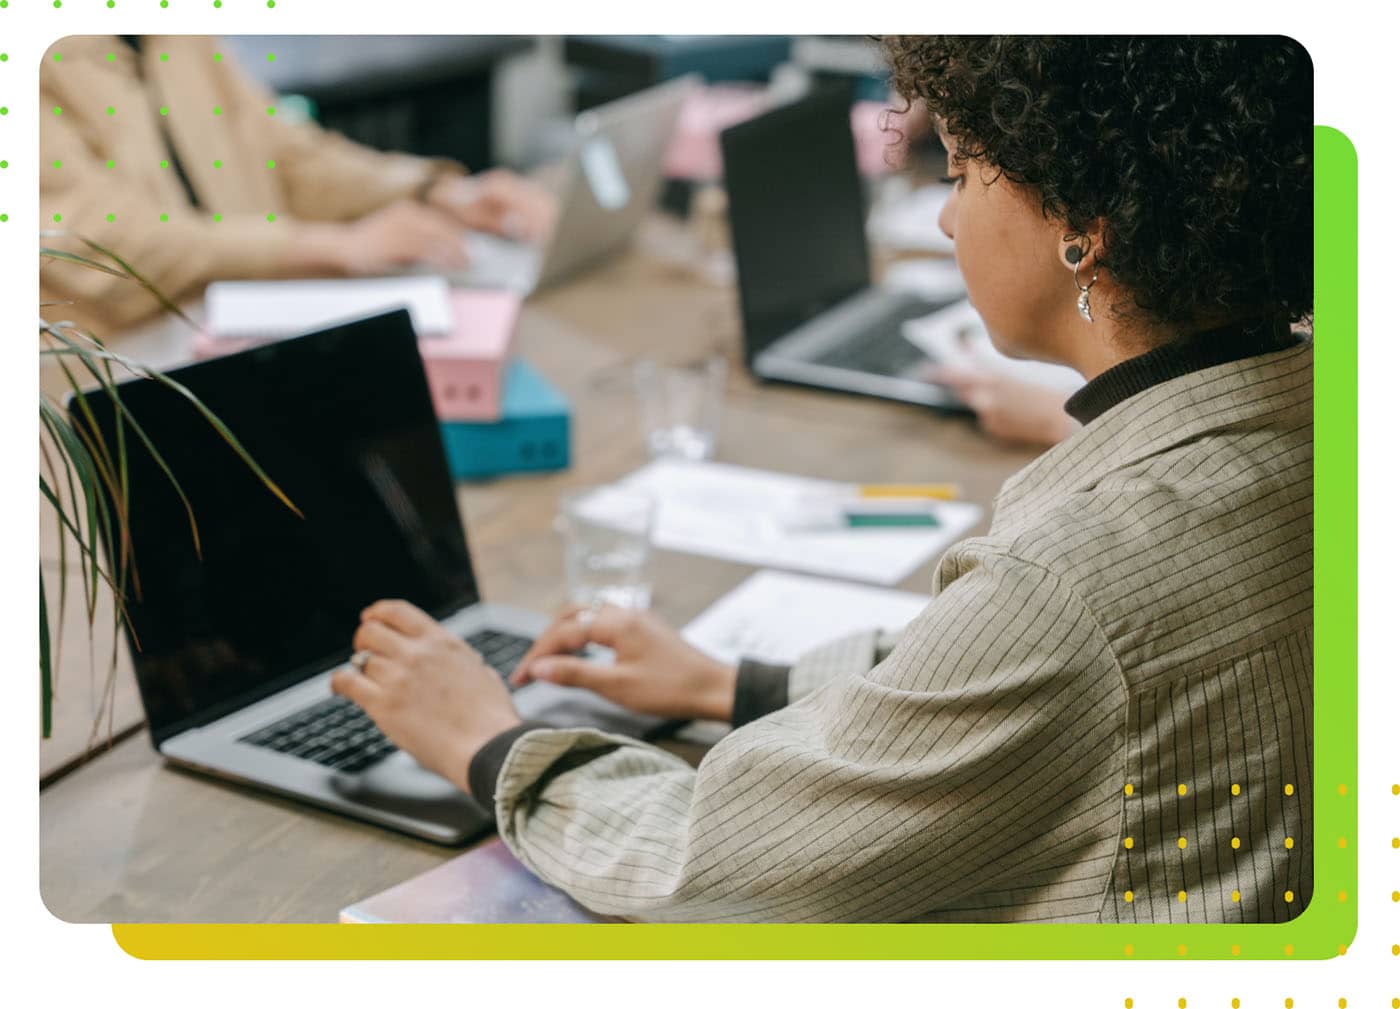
(128, 838)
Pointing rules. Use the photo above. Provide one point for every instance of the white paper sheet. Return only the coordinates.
(741, 515)
(273, 309)
(776, 617)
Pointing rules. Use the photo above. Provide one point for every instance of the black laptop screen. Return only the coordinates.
(796, 214)
(343, 422)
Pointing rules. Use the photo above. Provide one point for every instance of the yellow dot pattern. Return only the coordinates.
(1128, 897)
(1235, 896)
(1181, 843)
(1128, 843)
(1287, 789)
(1180, 789)
(1288, 843)
(1234, 789)
(1234, 1003)
(1234, 951)
(1128, 789)
(1235, 843)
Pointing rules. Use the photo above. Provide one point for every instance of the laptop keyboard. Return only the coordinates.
(338, 734)
(881, 350)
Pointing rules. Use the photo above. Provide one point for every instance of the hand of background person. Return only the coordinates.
(1008, 408)
(426, 689)
(497, 201)
(401, 234)
(655, 672)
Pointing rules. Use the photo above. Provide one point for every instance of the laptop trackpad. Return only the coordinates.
(572, 707)
(400, 785)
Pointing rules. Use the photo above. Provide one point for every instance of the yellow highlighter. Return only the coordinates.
(933, 491)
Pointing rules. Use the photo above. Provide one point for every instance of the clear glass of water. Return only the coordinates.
(607, 546)
(681, 407)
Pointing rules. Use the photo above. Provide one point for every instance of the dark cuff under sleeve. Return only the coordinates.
(486, 765)
(759, 689)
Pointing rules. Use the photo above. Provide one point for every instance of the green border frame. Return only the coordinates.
(1324, 928)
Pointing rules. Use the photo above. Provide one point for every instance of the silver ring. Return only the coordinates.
(360, 658)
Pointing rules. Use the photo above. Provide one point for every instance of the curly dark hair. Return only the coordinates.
(1195, 152)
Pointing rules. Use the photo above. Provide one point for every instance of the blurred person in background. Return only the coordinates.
(163, 149)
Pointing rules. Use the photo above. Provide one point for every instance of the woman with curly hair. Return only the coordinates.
(1105, 712)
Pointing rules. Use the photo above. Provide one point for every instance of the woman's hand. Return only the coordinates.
(426, 689)
(401, 234)
(1007, 407)
(497, 201)
(655, 672)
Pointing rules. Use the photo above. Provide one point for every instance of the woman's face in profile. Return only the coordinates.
(1008, 252)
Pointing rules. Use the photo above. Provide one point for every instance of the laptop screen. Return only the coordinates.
(342, 421)
(796, 214)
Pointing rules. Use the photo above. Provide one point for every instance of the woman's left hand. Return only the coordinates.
(426, 689)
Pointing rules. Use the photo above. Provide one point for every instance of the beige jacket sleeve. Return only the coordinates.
(326, 176)
(981, 754)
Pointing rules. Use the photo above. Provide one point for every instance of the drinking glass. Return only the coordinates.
(607, 546)
(681, 407)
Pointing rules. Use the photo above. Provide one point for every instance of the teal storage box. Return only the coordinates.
(532, 434)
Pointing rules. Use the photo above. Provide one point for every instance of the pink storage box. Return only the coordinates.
(464, 368)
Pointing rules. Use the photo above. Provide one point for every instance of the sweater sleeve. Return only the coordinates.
(888, 794)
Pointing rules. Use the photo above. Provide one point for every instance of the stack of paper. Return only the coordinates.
(744, 515)
(274, 309)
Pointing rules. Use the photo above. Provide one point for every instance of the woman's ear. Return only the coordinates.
(1082, 247)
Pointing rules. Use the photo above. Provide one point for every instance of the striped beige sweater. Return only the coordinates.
(1104, 713)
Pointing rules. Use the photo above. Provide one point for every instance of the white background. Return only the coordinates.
(57, 964)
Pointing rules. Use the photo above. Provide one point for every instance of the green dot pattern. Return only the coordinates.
(272, 110)
(111, 111)
(271, 57)
(57, 163)
(218, 218)
(4, 164)
(164, 217)
(111, 218)
(165, 110)
(218, 57)
(271, 163)
(218, 164)
(111, 57)
(111, 163)
(58, 57)
(165, 3)
(57, 218)
(218, 111)
(271, 218)
(4, 111)
(58, 110)
(165, 57)
(4, 57)
(164, 163)
(4, 217)
(111, 4)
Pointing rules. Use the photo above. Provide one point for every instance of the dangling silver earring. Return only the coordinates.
(1076, 256)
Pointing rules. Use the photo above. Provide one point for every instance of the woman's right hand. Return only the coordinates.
(405, 233)
(655, 672)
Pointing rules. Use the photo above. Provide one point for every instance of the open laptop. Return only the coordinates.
(797, 220)
(607, 185)
(238, 641)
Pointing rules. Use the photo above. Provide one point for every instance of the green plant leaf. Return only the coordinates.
(71, 257)
(209, 416)
(45, 666)
(136, 275)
